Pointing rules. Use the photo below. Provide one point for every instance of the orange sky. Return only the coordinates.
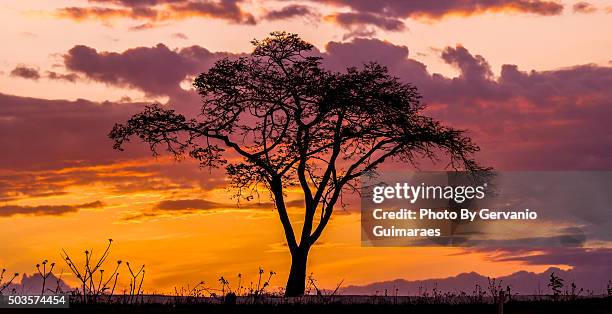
(184, 247)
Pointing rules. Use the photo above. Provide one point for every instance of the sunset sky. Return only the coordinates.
(530, 79)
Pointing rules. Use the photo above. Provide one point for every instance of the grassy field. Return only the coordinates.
(370, 305)
(586, 305)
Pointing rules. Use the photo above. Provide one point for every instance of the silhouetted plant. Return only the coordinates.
(92, 288)
(58, 283)
(44, 274)
(261, 287)
(136, 281)
(191, 294)
(478, 294)
(509, 293)
(224, 284)
(313, 284)
(239, 289)
(295, 123)
(5, 285)
(495, 287)
(555, 283)
(574, 292)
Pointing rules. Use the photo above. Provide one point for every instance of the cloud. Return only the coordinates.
(576, 257)
(26, 72)
(177, 205)
(54, 134)
(384, 14)
(45, 210)
(155, 11)
(182, 207)
(537, 120)
(351, 20)
(49, 146)
(70, 77)
(101, 13)
(187, 204)
(180, 36)
(546, 120)
(584, 7)
(291, 11)
(32, 73)
(28, 35)
(440, 9)
(155, 70)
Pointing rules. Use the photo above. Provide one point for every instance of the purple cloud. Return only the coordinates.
(40, 210)
(154, 70)
(155, 11)
(26, 72)
(538, 120)
(291, 11)
(584, 7)
(351, 20)
(440, 9)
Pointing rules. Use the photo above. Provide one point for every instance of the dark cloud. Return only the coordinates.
(53, 134)
(155, 11)
(101, 13)
(203, 205)
(224, 9)
(181, 207)
(155, 70)
(129, 177)
(70, 77)
(45, 210)
(350, 20)
(537, 120)
(50, 145)
(32, 73)
(440, 9)
(584, 7)
(180, 36)
(576, 257)
(545, 119)
(385, 14)
(143, 26)
(187, 204)
(473, 68)
(26, 72)
(291, 11)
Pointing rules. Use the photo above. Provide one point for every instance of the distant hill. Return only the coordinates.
(33, 285)
(522, 282)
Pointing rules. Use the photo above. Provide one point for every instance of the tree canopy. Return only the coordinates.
(294, 123)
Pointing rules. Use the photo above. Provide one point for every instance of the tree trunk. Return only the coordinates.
(296, 283)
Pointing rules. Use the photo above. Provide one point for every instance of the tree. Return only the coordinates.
(556, 284)
(294, 123)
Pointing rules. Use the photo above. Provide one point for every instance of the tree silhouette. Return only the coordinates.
(293, 123)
